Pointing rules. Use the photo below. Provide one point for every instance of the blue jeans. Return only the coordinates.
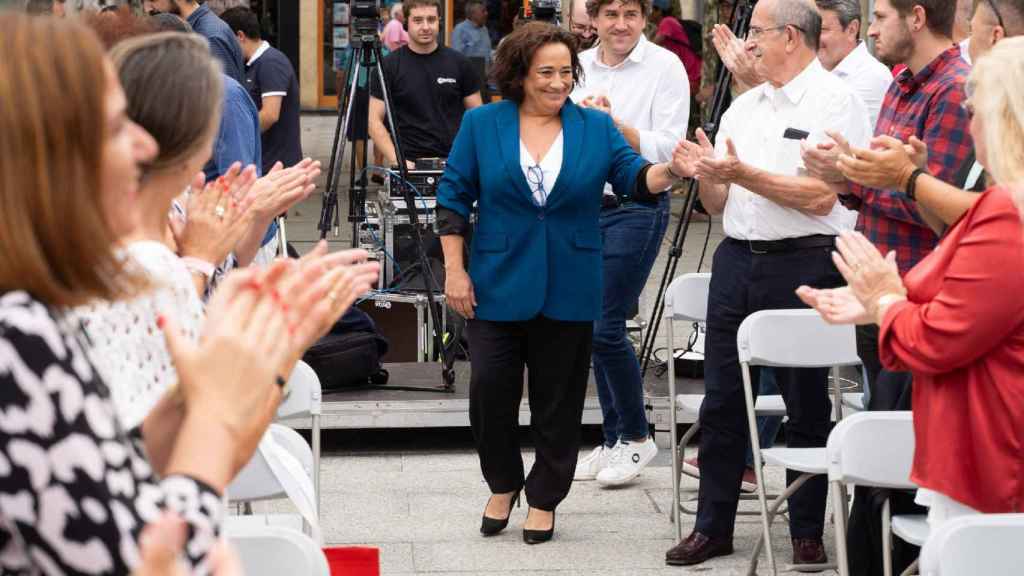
(767, 426)
(632, 235)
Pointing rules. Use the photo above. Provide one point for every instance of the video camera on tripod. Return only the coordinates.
(365, 19)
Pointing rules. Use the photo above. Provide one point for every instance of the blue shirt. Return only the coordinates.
(238, 138)
(223, 43)
(473, 42)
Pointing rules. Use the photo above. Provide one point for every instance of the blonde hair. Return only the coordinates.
(995, 85)
(57, 242)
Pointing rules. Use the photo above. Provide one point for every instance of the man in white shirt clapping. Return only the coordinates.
(780, 226)
(646, 90)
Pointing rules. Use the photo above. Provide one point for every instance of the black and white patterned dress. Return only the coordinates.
(75, 492)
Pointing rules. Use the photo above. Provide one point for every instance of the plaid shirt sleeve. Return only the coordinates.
(949, 143)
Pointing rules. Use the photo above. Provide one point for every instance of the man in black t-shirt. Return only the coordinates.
(271, 82)
(430, 87)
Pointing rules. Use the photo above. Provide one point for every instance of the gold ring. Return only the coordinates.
(332, 296)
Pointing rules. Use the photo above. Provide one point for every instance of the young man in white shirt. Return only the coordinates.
(646, 90)
(780, 227)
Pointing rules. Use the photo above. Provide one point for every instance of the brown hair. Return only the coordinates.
(940, 14)
(408, 5)
(594, 6)
(174, 90)
(57, 243)
(515, 54)
(113, 26)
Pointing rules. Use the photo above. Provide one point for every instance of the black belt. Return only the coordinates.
(788, 244)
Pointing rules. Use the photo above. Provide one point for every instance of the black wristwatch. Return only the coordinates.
(911, 190)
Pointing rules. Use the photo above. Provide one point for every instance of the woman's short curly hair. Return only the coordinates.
(516, 51)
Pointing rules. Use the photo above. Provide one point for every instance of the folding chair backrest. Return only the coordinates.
(304, 393)
(795, 338)
(872, 449)
(268, 550)
(257, 480)
(989, 545)
(687, 297)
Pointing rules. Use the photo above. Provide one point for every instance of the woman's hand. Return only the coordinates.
(282, 188)
(888, 165)
(869, 275)
(217, 215)
(458, 291)
(836, 306)
(229, 379)
(162, 543)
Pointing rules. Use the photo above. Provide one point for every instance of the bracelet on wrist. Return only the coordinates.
(911, 188)
(668, 168)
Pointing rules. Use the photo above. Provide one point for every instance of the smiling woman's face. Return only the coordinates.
(125, 148)
(549, 80)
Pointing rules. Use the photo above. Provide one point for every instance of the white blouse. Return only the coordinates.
(127, 347)
(550, 165)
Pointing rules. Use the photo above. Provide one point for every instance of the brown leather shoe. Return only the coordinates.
(697, 548)
(808, 551)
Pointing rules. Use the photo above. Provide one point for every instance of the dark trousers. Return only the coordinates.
(557, 355)
(888, 390)
(742, 283)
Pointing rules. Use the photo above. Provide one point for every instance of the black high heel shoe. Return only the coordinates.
(539, 536)
(491, 526)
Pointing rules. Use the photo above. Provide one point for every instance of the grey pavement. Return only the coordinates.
(421, 507)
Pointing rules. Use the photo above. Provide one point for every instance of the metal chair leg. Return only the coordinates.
(758, 471)
(886, 539)
(672, 424)
(841, 520)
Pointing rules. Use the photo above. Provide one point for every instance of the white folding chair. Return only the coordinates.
(869, 449)
(267, 550)
(304, 398)
(281, 467)
(986, 544)
(793, 339)
(686, 300)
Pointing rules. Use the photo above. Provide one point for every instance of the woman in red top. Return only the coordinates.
(957, 319)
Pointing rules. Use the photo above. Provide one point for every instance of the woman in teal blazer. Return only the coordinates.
(534, 165)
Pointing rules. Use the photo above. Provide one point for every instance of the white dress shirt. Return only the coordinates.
(814, 101)
(550, 165)
(869, 78)
(648, 91)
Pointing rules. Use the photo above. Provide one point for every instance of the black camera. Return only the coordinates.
(365, 19)
(546, 10)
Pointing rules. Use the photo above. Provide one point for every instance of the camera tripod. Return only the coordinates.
(740, 25)
(367, 55)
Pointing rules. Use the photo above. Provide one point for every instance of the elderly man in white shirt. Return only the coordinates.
(780, 226)
(646, 90)
(843, 53)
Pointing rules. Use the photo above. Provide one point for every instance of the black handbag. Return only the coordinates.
(349, 356)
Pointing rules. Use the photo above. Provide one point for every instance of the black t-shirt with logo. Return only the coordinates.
(427, 92)
(272, 75)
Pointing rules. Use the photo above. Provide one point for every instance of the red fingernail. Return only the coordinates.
(275, 295)
(160, 321)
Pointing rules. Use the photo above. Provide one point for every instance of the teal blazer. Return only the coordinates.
(528, 260)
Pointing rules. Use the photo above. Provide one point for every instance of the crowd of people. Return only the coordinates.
(148, 330)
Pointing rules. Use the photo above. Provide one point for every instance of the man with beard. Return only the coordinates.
(581, 26)
(204, 22)
(925, 101)
(430, 87)
(645, 89)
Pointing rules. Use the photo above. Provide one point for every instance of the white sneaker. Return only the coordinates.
(627, 461)
(588, 466)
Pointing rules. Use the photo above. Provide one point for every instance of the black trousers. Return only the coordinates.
(889, 390)
(742, 283)
(557, 355)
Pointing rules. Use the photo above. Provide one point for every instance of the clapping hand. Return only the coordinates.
(217, 215)
(821, 161)
(735, 56)
(887, 165)
(162, 543)
(836, 305)
(281, 188)
(717, 170)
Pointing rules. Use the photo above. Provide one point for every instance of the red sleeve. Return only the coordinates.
(972, 313)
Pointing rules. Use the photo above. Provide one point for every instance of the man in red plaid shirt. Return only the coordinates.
(926, 101)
